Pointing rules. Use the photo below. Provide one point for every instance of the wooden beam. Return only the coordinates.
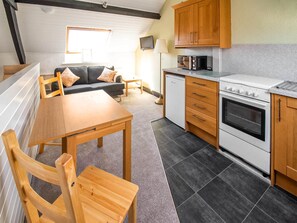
(12, 4)
(93, 7)
(15, 33)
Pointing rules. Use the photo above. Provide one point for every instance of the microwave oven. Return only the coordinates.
(194, 62)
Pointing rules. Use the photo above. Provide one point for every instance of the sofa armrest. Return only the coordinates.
(118, 79)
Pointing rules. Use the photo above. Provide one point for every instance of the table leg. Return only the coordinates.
(141, 87)
(126, 89)
(127, 151)
(41, 148)
(64, 145)
(132, 217)
(100, 142)
(71, 148)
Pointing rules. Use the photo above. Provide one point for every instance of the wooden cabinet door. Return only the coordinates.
(206, 23)
(280, 139)
(184, 26)
(292, 138)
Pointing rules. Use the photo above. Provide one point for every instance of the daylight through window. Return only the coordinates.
(88, 42)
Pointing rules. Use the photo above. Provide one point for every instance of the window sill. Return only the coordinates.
(80, 63)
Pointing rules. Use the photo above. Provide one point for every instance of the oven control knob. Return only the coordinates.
(249, 93)
(229, 88)
(240, 91)
(255, 95)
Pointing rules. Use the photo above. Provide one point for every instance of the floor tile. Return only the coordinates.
(172, 131)
(194, 173)
(179, 189)
(172, 153)
(226, 201)
(160, 123)
(196, 210)
(212, 159)
(279, 205)
(161, 138)
(190, 142)
(248, 184)
(258, 216)
(166, 165)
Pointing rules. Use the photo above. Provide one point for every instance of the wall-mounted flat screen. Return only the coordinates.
(147, 43)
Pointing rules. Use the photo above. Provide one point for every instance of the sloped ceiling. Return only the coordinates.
(144, 5)
(43, 32)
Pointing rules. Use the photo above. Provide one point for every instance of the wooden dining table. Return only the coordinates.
(79, 118)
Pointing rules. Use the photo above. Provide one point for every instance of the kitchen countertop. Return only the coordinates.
(283, 92)
(203, 74)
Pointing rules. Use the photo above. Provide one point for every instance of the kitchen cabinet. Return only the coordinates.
(183, 25)
(200, 23)
(202, 109)
(284, 142)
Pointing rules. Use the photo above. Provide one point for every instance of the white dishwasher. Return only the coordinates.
(175, 99)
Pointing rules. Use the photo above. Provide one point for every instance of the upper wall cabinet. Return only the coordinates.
(200, 23)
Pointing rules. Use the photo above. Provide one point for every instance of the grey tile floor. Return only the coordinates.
(208, 187)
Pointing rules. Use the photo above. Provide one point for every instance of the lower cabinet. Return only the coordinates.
(284, 143)
(202, 109)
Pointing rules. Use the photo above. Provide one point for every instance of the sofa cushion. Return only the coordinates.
(68, 78)
(107, 75)
(108, 87)
(81, 72)
(78, 88)
(94, 72)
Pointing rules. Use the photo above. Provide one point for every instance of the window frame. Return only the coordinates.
(68, 28)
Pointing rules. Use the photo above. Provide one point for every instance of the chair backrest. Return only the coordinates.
(43, 83)
(63, 175)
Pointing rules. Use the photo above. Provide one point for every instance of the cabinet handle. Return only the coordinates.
(195, 37)
(279, 109)
(191, 37)
(197, 117)
(199, 95)
(197, 106)
(199, 83)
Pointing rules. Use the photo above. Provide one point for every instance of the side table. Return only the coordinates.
(127, 81)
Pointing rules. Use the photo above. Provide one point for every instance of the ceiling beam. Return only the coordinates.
(12, 4)
(14, 30)
(71, 4)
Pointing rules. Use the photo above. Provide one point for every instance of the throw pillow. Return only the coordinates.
(107, 75)
(68, 78)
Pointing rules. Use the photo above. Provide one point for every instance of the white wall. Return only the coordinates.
(124, 62)
(19, 99)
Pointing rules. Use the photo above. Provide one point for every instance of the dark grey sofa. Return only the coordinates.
(88, 81)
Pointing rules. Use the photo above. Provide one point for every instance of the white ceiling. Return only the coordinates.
(41, 32)
(144, 5)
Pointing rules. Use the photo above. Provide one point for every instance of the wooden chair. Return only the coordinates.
(94, 196)
(60, 91)
(43, 83)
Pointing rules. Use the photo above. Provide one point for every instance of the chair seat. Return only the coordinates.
(104, 197)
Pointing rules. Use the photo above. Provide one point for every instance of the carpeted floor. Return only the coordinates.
(155, 203)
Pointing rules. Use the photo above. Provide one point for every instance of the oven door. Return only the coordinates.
(246, 118)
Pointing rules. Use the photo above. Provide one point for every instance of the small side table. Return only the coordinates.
(127, 81)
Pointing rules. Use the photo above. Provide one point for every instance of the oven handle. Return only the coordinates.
(246, 100)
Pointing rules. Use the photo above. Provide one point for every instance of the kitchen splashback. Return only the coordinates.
(270, 60)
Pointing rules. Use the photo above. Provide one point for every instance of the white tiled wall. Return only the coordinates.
(270, 60)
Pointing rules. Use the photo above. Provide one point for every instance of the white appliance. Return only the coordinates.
(175, 99)
(245, 118)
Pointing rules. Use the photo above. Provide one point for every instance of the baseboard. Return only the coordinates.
(148, 90)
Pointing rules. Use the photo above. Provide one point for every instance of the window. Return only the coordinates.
(87, 42)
